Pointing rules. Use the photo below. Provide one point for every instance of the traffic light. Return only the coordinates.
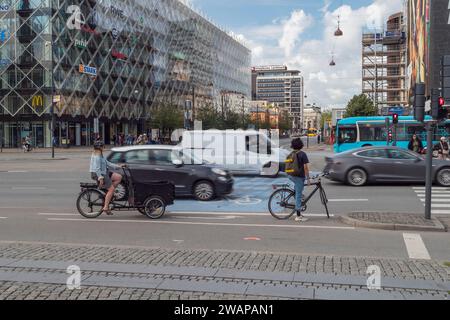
(438, 110)
(390, 136)
(419, 102)
(395, 118)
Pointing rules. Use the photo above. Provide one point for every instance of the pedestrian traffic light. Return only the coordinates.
(395, 118)
(419, 102)
(438, 110)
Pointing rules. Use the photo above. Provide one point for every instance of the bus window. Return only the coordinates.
(372, 132)
(347, 135)
(415, 129)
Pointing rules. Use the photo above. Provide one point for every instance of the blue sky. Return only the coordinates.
(299, 33)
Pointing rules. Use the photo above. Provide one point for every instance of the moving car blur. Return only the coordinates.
(383, 164)
(190, 176)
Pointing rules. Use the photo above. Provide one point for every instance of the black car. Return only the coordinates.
(190, 176)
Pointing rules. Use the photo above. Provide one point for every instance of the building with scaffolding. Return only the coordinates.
(384, 65)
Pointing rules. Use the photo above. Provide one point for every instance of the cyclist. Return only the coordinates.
(102, 171)
(298, 172)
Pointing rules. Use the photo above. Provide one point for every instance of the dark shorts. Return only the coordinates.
(107, 182)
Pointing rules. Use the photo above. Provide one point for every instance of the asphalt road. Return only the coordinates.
(37, 203)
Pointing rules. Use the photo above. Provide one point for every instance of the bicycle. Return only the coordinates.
(149, 198)
(282, 201)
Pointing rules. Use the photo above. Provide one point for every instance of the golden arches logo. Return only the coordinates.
(38, 101)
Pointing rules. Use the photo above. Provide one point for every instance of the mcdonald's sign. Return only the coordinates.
(38, 101)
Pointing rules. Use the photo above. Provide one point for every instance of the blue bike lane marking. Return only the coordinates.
(249, 195)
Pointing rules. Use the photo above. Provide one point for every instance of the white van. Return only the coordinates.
(239, 151)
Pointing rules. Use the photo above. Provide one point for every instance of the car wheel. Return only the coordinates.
(357, 177)
(443, 177)
(204, 191)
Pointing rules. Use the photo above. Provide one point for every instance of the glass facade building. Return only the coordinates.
(109, 64)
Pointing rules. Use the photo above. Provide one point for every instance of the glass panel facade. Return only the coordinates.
(115, 60)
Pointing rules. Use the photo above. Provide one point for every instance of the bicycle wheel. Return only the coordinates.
(90, 203)
(154, 207)
(282, 204)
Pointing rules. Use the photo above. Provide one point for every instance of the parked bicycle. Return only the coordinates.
(282, 201)
(149, 198)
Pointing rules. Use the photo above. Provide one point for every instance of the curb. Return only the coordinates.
(438, 226)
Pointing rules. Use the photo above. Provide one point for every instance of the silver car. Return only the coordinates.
(384, 164)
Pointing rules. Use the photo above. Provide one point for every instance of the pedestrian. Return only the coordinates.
(443, 149)
(415, 144)
(103, 173)
(114, 139)
(297, 167)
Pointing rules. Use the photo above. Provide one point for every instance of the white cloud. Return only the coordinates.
(280, 42)
(292, 29)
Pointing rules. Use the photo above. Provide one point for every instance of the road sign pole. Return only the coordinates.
(429, 166)
(395, 136)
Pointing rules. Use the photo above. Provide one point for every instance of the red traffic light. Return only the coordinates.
(395, 118)
(441, 102)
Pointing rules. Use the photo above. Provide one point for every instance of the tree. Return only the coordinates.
(360, 106)
(284, 122)
(168, 117)
(326, 117)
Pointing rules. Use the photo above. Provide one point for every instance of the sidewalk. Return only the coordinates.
(393, 221)
(38, 271)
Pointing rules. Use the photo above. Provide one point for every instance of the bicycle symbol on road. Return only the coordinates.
(247, 200)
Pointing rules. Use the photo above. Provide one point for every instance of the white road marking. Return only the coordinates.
(447, 195)
(434, 188)
(208, 224)
(249, 214)
(29, 188)
(58, 214)
(348, 200)
(3, 217)
(440, 211)
(17, 171)
(208, 218)
(415, 246)
(434, 192)
(437, 200)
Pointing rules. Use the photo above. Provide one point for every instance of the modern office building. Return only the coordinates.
(384, 62)
(283, 87)
(107, 65)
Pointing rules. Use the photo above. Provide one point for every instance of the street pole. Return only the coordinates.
(429, 166)
(193, 104)
(52, 109)
(395, 136)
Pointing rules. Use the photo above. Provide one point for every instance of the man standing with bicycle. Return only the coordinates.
(297, 167)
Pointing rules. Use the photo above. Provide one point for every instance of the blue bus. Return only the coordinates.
(353, 133)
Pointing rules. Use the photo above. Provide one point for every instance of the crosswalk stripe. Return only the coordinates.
(437, 200)
(440, 211)
(434, 188)
(435, 195)
(434, 191)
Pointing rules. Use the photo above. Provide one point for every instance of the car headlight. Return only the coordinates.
(218, 171)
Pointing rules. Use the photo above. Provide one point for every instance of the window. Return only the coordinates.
(137, 157)
(347, 135)
(372, 132)
(400, 155)
(115, 157)
(161, 157)
(373, 153)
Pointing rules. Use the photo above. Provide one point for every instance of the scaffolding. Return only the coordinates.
(384, 65)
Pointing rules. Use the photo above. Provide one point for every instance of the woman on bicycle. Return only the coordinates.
(101, 171)
(300, 178)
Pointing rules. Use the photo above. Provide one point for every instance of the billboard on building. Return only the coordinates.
(429, 40)
(418, 41)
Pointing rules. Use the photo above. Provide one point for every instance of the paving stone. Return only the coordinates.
(350, 294)
(290, 291)
(203, 286)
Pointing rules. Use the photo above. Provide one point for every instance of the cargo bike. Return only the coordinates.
(149, 198)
